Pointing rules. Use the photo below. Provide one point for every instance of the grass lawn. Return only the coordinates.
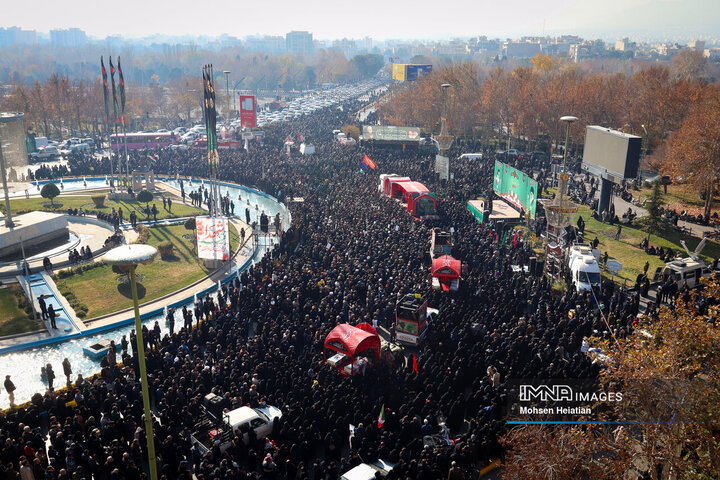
(13, 319)
(627, 250)
(100, 292)
(25, 205)
(681, 197)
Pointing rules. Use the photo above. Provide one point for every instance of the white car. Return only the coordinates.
(259, 419)
(368, 471)
(50, 151)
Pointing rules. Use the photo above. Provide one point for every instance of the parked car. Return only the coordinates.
(51, 151)
(369, 471)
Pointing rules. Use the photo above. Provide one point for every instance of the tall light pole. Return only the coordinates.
(565, 176)
(444, 140)
(129, 257)
(227, 93)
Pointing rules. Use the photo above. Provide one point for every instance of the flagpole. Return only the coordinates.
(127, 159)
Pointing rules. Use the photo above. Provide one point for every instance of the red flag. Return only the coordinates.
(515, 239)
(367, 161)
(415, 364)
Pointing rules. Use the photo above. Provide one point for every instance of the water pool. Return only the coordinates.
(24, 365)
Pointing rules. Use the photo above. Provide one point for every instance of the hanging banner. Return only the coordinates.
(247, 111)
(442, 166)
(213, 238)
(515, 187)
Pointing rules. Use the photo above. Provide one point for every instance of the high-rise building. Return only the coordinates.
(72, 37)
(299, 43)
(267, 43)
(697, 45)
(15, 35)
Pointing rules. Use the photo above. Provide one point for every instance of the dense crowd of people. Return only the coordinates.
(349, 255)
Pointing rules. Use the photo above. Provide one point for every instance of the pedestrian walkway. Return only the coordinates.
(42, 286)
(244, 256)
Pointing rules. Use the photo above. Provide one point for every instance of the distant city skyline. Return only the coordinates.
(650, 20)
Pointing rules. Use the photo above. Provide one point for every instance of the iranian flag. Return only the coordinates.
(381, 418)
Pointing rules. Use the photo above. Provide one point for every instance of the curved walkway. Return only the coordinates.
(240, 260)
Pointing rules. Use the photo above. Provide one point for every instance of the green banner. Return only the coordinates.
(515, 187)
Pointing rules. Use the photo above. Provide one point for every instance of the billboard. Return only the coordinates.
(515, 187)
(213, 238)
(413, 72)
(247, 111)
(391, 133)
(398, 72)
(409, 72)
(442, 166)
(617, 153)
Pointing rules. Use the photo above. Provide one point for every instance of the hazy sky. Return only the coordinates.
(381, 19)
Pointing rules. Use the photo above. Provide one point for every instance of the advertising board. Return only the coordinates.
(515, 187)
(391, 133)
(247, 111)
(213, 238)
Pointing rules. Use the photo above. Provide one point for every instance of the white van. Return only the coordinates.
(471, 156)
(583, 265)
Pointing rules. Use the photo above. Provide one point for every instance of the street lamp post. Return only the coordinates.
(565, 176)
(227, 93)
(129, 257)
(444, 140)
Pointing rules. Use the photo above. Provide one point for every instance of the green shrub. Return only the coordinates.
(165, 248)
(50, 190)
(144, 197)
(143, 234)
(190, 223)
(99, 200)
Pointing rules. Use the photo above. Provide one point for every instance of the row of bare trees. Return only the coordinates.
(675, 104)
(529, 100)
(59, 107)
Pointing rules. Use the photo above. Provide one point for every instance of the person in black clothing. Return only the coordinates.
(49, 375)
(43, 307)
(10, 389)
(47, 265)
(67, 369)
(154, 212)
(51, 314)
(171, 320)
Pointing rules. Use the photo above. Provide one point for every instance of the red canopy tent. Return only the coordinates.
(353, 342)
(446, 270)
(415, 193)
(393, 185)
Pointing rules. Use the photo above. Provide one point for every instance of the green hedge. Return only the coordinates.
(69, 272)
(80, 308)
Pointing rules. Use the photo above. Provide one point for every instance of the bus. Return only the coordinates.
(142, 140)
